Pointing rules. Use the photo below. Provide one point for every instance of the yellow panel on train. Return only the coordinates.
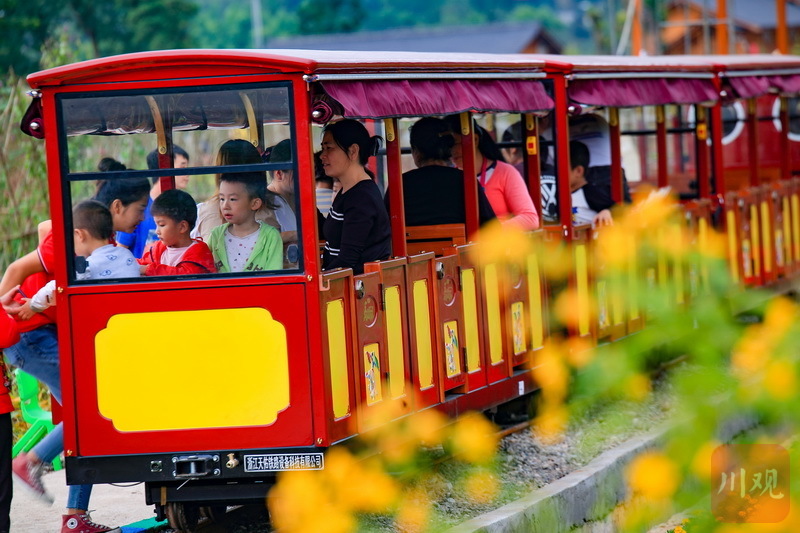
(229, 368)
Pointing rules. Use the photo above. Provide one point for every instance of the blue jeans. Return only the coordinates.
(37, 354)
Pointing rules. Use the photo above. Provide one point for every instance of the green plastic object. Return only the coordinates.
(39, 420)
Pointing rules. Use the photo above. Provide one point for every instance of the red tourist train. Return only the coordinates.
(205, 386)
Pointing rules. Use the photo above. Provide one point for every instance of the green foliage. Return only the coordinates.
(120, 26)
(24, 25)
(23, 176)
(544, 15)
(330, 16)
(109, 27)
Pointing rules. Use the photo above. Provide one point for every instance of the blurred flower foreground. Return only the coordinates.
(726, 353)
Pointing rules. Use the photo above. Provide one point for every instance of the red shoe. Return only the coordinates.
(29, 474)
(82, 523)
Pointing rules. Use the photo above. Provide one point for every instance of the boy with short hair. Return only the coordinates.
(93, 229)
(244, 243)
(584, 208)
(144, 236)
(176, 253)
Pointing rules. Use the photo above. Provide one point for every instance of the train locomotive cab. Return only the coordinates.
(195, 379)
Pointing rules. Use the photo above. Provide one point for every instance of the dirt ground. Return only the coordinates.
(114, 506)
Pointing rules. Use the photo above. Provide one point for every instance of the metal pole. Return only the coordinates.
(781, 32)
(636, 35)
(722, 27)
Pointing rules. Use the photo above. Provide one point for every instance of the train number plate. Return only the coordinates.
(277, 462)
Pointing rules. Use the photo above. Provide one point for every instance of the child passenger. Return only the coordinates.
(244, 243)
(94, 228)
(176, 253)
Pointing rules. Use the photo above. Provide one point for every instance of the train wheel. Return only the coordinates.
(182, 517)
(215, 513)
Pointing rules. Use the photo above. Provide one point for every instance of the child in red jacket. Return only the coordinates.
(176, 253)
(8, 337)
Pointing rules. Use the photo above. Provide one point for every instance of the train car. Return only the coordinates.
(205, 386)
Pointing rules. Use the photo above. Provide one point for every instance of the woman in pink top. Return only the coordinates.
(504, 185)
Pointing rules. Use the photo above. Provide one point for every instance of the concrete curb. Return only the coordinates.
(588, 494)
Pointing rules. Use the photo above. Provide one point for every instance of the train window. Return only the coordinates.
(794, 117)
(121, 141)
(732, 121)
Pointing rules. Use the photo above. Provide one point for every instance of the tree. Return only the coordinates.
(119, 26)
(24, 25)
(330, 16)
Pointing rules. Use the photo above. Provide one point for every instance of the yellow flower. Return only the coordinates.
(653, 476)
(613, 246)
(701, 463)
(397, 446)
(550, 422)
(357, 484)
(414, 513)
(780, 380)
(474, 439)
(300, 502)
(427, 427)
(497, 243)
(751, 353)
(578, 351)
(569, 306)
(550, 373)
(780, 316)
(679, 529)
(638, 386)
(555, 259)
(481, 487)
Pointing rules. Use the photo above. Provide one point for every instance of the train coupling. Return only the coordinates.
(195, 466)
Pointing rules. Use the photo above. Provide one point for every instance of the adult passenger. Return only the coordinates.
(234, 152)
(324, 187)
(433, 193)
(357, 228)
(504, 186)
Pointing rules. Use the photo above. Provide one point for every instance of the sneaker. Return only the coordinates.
(82, 523)
(30, 475)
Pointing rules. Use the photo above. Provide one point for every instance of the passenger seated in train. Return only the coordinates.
(145, 233)
(357, 228)
(585, 209)
(324, 187)
(244, 243)
(433, 193)
(99, 260)
(176, 253)
(513, 154)
(235, 152)
(504, 186)
(281, 184)
(592, 130)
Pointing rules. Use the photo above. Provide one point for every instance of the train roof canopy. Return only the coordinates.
(192, 63)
